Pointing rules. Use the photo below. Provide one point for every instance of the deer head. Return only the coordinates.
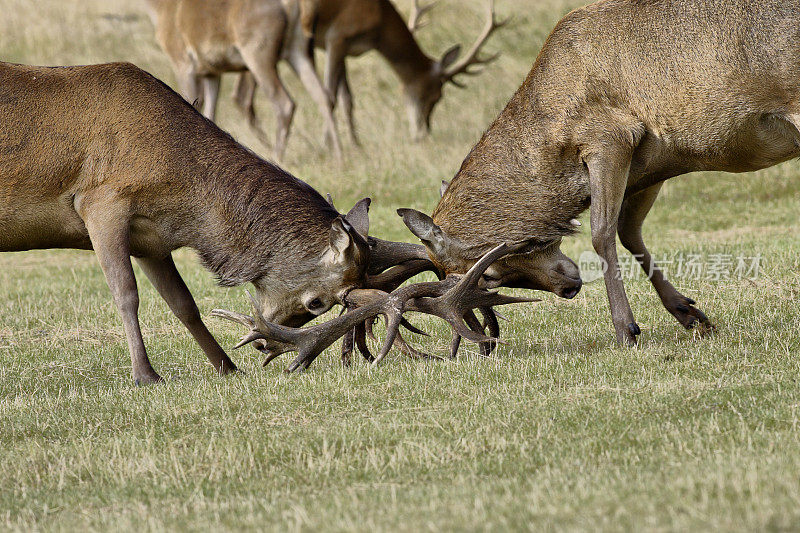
(295, 292)
(423, 92)
(542, 266)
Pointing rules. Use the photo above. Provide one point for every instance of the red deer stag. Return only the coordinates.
(107, 157)
(351, 27)
(207, 39)
(624, 95)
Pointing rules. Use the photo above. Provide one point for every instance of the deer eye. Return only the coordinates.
(315, 305)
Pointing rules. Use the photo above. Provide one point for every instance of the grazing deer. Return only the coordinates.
(351, 27)
(624, 95)
(107, 157)
(207, 39)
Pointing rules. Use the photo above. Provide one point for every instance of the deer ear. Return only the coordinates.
(443, 188)
(341, 240)
(450, 57)
(358, 217)
(424, 227)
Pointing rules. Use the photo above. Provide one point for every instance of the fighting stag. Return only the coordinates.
(624, 95)
(452, 299)
(115, 161)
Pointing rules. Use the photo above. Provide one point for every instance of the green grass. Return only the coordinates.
(561, 430)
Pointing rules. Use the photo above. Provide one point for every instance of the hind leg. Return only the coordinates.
(210, 86)
(632, 214)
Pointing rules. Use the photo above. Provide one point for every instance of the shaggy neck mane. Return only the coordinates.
(499, 196)
(256, 215)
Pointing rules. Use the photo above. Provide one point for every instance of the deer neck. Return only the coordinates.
(253, 215)
(508, 187)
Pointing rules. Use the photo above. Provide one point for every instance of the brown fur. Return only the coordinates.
(624, 95)
(108, 157)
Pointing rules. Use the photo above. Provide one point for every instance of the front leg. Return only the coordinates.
(300, 60)
(109, 234)
(608, 177)
(168, 282)
(346, 97)
(336, 78)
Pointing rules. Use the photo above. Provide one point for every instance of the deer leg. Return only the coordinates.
(244, 97)
(347, 104)
(262, 61)
(165, 277)
(336, 81)
(111, 242)
(608, 177)
(210, 95)
(304, 67)
(632, 215)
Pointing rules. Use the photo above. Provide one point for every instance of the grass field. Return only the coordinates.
(561, 430)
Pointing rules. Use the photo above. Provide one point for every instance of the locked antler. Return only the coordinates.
(390, 265)
(450, 299)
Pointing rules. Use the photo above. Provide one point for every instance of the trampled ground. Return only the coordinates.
(560, 430)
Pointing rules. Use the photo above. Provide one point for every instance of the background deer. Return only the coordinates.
(207, 39)
(351, 27)
(113, 160)
(623, 96)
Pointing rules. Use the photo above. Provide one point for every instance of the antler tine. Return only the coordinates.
(233, 316)
(369, 324)
(486, 347)
(471, 58)
(491, 323)
(348, 344)
(455, 343)
(416, 14)
(361, 342)
(392, 332)
(410, 351)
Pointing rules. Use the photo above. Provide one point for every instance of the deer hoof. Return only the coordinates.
(693, 318)
(626, 336)
(147, 379)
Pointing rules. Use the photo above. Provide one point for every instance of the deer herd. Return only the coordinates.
(624, 95)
